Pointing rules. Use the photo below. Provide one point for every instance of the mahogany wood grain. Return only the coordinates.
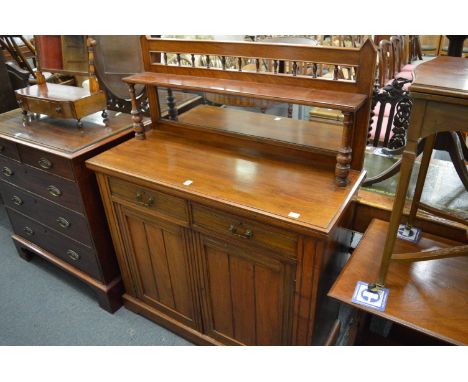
(232, 179)
(336, 99)
(441, 76)
(429, 296)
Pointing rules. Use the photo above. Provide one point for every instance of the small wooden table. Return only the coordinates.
(428, 296)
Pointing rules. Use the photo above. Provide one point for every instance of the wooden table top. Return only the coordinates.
(282, 93)
(62, 136)
(428, 296)
(444, 75)
(320, 135)
(55, 92)
(270, 188)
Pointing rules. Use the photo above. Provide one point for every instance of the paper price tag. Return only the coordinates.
(413, 234)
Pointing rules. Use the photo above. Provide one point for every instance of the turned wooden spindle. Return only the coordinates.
(193, 60)
(314, 70)
(257, 65)
(178, 59)
(239, 63)
(343, 158)
(335, 72)
(294, 68)
(136, 115)
(207, 61)
(275, 66)
(171, 104)
(223, 62)
(93, 82)
(165, 58)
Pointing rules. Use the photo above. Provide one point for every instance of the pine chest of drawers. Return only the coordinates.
(52, 199)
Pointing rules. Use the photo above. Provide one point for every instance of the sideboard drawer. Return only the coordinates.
(47, 162)
(68, 250)
(9, 149)
(155, 201)
(245, 230)
(61, 219)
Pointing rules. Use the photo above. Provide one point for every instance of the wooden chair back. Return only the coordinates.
(398, 54)
(386, 62)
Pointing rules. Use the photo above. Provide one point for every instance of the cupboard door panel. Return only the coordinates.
(160, 263)
(247, 295)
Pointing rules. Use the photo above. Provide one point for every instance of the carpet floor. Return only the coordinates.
(43, 305)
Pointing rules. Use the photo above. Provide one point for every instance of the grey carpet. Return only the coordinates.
(43, 305)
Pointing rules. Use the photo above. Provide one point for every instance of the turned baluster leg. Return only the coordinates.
(136, 116)
(171, 104)
(343, 159)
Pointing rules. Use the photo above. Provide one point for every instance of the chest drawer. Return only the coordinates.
(54, 109)
(54, 188)
(47, 162)
(154, 201)
(68, 250)
(9, 149)
(60, 219)
(244, 230)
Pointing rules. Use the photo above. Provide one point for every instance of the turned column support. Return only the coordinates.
(171, 104)
(343, 158)
(136, 115)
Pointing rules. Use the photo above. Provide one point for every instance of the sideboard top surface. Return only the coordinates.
(264, 186)
(55, 92)
(61, 135)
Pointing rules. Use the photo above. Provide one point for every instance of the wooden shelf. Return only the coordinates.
(309, 135)
(346, 102)
(428, 296)
(55, 92)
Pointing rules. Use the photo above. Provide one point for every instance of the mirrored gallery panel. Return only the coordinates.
(295, 124)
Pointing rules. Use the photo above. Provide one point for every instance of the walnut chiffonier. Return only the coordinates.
(52, 199)
(228, 219)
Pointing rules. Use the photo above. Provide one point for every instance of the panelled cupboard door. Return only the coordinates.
(160, 264)
(247, 295)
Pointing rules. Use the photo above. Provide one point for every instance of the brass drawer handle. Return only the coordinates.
(248, 234)
(54, 191)
(45, 163)
(73, 255)
(17, 200)
(7, 171)
(62, 222)
(28, 231)
(148, 203)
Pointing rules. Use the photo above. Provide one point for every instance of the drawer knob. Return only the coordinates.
(44, 163)
(62, 222)
(7, 171)
(73, 255)
(28, 231)
(247, 234)
(58, 109)
(17, 200)
(54, 191)
(148, 203)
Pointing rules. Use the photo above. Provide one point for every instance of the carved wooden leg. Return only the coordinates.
(110, 299)
(171, 104)
(344, 155)
(136, 116)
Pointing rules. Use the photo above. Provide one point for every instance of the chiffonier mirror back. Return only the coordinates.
(280, 73)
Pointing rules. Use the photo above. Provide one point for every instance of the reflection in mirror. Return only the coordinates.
(290, 124)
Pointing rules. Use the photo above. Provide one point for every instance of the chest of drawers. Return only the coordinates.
(52, 199)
